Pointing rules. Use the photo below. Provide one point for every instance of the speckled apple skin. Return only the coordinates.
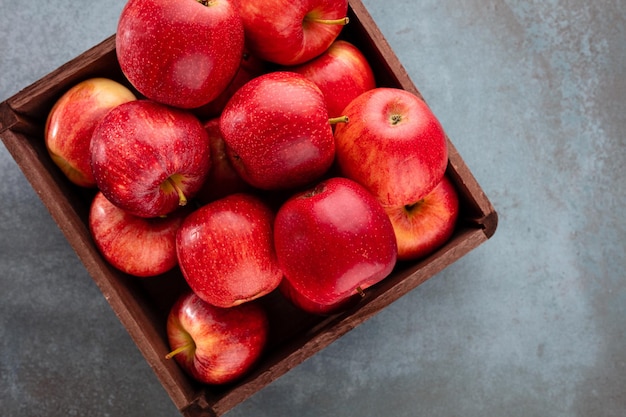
(333, 241)
(226, 342)
(135, 245)
(226, 251)
(425, 226)
(180, 52)
(342, 73)
(400, 163)
(276, 30)
(138, 146)
(277, 131)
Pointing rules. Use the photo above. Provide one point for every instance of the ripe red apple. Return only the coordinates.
(72, 120)
(334, 241)
(277, 131)
(226, 251)
(423, 227)
(135, 245)
(215, 345)
(149, 158)
(393, 145)
(222, 179)
(183, 53)
(342, 73)
(291, 33)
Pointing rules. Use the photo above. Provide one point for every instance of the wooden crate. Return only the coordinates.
(142, 305)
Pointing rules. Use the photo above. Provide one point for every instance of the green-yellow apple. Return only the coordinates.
(423, 227)
(71, 123)
(148, 158)
(216, 345)
(393, 145)
(183, 53)
(226, 250)
(333, 241)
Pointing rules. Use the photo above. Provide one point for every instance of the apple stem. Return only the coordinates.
(343, 21)
(360, 291)
(182, 200)
(340, 119)
(179, 350)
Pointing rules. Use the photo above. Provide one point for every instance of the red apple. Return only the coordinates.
(303, 303)
(215, 345)
(135, 245)
(183, 53)
(342, 73)
(393, 145)
(334, 241)
(222, 179)
(277, 131)
(72, 120)
(423, 227)
(226, 251)
(291, 33)
(149, 158)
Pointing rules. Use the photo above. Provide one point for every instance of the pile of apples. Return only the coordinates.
(257, 154)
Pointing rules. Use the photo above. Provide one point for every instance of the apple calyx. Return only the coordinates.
(181, 349)
(410, 207)
(182, 199)
(207, 3)
(342, 21)
(340, 119)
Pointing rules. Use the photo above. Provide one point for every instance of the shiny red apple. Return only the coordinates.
(149, 158)
(215, 345)
(135, 245)
(183, 53)
(393, 145)
(277, 131)
(333, 241)
(290, 33)
(72, 120)
(342, 73)
(423, 227)
(226, 251)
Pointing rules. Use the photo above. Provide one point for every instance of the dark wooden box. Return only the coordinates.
(142, 305)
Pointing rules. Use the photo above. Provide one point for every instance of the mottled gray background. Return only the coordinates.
(532, 323)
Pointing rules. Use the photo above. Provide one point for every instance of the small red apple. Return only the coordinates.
(342, 73)
(183, 53)
(135, 245)
(393, 145)
(334, 241)
(423, 227)
(149, 158)
(226, 251)
(72, 120)
(216, 345)
(277, 131)
(290, 33)
(222, 179)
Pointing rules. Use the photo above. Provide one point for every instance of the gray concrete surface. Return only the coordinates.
(530, 324)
